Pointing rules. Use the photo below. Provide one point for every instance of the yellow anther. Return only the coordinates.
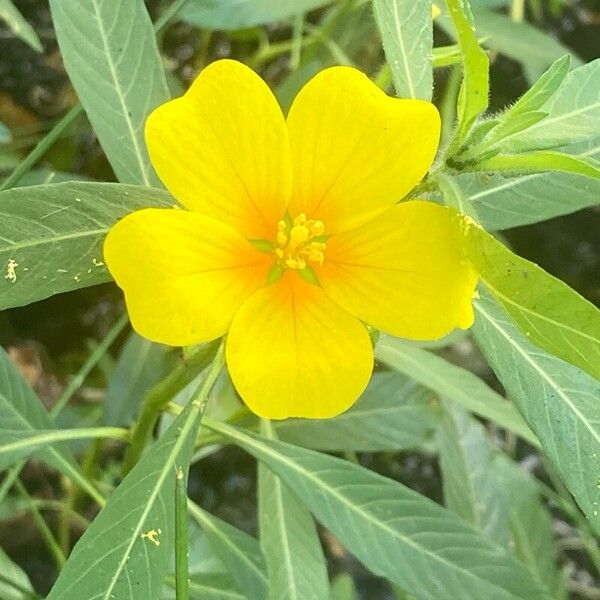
(295, 245)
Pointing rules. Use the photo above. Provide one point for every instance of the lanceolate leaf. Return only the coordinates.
(531, 524)
(452, 382)
(393, 413)
(552, 315)
(51, 235)
(125, 553)
(289, 540)
(240, 14)
(506, 200)
(558, 401)
(110, 53)
(471, 488)
(15, 584)
(407, 34)
(397, 533)
(238, 551)
(19, 25)
(22, 413)
(573, 114)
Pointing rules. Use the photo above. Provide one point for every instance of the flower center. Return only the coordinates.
(300, 242)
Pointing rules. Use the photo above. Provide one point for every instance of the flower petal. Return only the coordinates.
(405, 272)
(184, 275)
(222, 149)
(292, 352)
(355, 150)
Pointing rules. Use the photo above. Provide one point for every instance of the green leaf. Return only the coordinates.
(393, 413)
(531, 524)
(540, 161)
(14, 583)
(241, 14)
(407, 35)
(451, 382)
(125, 553)
(542, 90)
(471, 488)
(110, 53)
(19, 25)
(573, 114)
(239, 552)
(504, 201)
(214, 587)
(473, 96)
(552, 315)
(289, 540)
(21, 411)
(141, 365)
(558, 401)
(397, 533)
(51, 235)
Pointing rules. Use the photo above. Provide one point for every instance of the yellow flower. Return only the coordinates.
(292, 235)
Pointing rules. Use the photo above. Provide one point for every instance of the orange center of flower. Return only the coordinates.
(300, 242)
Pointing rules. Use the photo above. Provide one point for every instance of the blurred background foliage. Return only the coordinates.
(51, 340)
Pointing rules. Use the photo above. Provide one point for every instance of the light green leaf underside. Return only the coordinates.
(573, 114)
(51, 235)
(504, 201)
(471, 488)
(398, 534)
(407, 35)
(22, 413)
(531, 525)
(393, 413)
(452, 382)
(19, 25)
(110, 53)
(238, 551)
(240, 14)
(558, 401)
(552, 315)
(126, 551)
(13, 573)
(289, 540)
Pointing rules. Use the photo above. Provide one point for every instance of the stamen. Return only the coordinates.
(296, 244)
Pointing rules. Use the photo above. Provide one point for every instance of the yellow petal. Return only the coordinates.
(184, 275)
(292, 352)
(222, 149)
(404, 273)
(355, 150)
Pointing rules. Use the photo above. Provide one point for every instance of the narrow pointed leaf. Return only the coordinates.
(552, 315)
(397, 533)
(125, 553)
(407, 35)
(19, 25)
(452, 382)
(110, 53)
(471, 488)
(238, 551)
(51, 235)
(289, 540)
(558, 401)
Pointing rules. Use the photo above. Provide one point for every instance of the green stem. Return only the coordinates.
(182, 577)
(42, 147)
(158, 397)
(169, 14)
(53, 546)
